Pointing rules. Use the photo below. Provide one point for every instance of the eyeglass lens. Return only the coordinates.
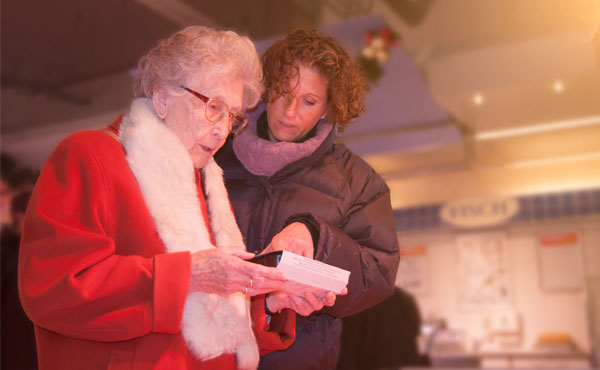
(238, 122)
(216, 110)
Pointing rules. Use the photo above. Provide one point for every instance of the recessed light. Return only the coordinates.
(558, 86)
(478, 99)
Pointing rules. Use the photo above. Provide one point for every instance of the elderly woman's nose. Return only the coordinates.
(220, 129)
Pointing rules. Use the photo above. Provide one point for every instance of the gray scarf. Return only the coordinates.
(265, 158)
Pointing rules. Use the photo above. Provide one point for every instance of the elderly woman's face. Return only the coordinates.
(291, 116)
(185, 115)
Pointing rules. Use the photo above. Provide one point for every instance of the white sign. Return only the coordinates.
(561, 261)
(479, 212)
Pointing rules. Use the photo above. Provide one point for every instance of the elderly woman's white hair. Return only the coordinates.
(198, 49)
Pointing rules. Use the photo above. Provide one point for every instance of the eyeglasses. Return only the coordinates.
(215, 110)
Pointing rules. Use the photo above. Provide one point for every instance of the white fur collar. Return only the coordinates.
(211, 325)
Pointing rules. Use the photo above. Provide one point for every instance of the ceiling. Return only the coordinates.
(47, 46)
(489, 66)
(535, 66)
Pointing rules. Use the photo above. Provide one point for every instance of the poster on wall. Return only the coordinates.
(560, 261)
(413, 273)
(483, 271)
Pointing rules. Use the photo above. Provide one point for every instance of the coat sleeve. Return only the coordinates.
(71, 280)
(275, 334)
(367, 246)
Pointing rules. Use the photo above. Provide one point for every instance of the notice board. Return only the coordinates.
(560, 261)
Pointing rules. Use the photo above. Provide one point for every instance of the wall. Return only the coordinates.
(540, 311)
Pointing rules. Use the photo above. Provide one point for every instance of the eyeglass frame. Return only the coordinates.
(231, 116)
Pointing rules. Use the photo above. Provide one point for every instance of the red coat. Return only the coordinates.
(94, 276)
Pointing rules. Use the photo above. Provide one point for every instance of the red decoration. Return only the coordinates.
(375, 52)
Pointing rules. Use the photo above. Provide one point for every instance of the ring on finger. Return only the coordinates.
(250, 285)
(246, 291)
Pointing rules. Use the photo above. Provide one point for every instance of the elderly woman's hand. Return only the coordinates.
(294, 238)
(303, 305)
(224, 271)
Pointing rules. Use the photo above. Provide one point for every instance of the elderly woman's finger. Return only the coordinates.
(263, 271)
(266, 284)
(261, 279)
(237, 252)
(261, 285)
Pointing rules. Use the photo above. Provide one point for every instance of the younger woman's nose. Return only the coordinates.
(291, 105)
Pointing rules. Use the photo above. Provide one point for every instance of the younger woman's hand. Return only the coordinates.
(294, 238)
(303, 305)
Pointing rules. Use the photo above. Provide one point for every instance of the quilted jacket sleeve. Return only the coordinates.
(367, 246)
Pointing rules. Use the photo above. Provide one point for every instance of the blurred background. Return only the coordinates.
(483, 117)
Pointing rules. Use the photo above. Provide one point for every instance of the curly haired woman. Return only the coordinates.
(292, 188)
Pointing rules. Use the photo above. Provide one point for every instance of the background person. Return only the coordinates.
(292, 188)
(117, 264)
(384, 336)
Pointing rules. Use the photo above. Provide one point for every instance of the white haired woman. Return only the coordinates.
(118, 265)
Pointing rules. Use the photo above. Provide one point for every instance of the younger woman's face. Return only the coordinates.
(294, 114)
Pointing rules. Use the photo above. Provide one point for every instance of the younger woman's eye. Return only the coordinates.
(309, 102)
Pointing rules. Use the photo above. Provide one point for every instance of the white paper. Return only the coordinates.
(313, 273)
(483, 271)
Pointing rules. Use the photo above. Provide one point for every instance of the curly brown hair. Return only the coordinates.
(346, 88)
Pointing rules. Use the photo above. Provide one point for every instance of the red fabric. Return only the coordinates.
(276, 334)
(203, 206)
(93, 273)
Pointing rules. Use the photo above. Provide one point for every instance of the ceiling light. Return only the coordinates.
(526, 130)
(554, 160)
(558, 86)
(478, 99)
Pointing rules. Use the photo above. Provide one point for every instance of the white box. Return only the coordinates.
(313, 273)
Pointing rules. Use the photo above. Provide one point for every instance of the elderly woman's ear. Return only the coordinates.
(159, 101)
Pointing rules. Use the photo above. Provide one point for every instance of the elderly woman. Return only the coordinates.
(293, 189)
(118, 265)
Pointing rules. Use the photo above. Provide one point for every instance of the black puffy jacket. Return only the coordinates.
(351, 205)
